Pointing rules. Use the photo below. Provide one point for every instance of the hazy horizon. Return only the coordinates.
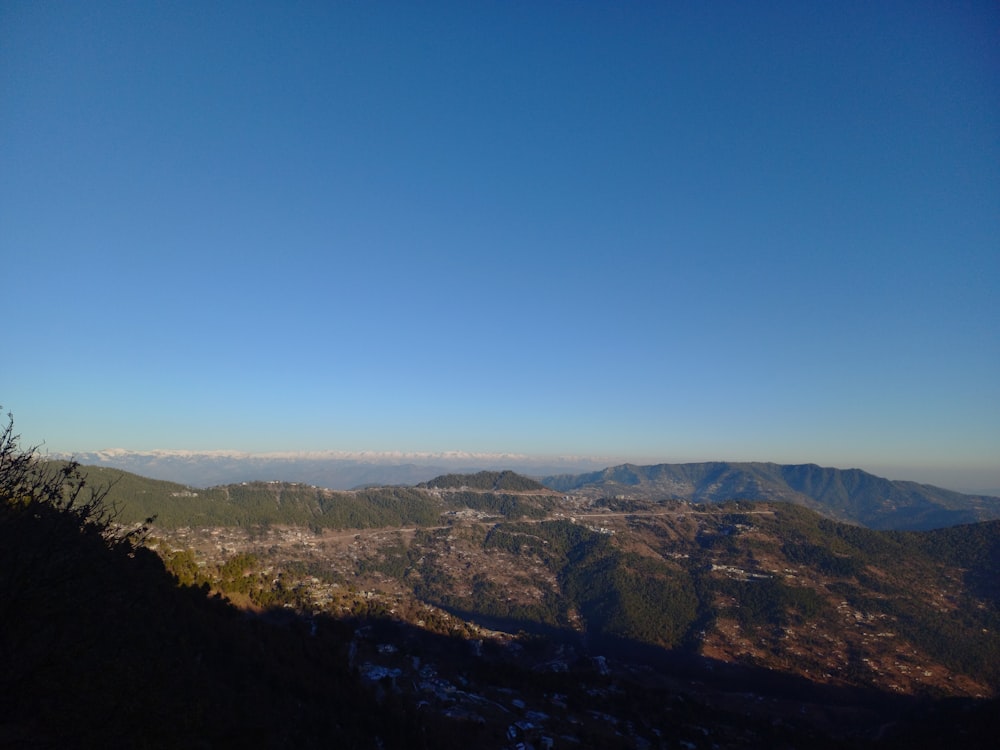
(653, 231)
(969, 479)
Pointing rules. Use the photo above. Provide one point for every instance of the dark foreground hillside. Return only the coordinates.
(101, 648)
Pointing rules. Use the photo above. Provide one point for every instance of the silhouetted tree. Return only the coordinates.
(27, 482)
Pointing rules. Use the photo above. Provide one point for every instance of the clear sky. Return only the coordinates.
(655, 231)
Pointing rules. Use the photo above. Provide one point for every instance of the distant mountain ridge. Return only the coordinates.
(338, 470)
(850, 495)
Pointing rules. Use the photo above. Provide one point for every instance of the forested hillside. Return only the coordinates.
(852, 496)
(775, 575)
(849, 495)
(496, 481)
(250, 504)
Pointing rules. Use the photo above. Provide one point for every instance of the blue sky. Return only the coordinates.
(649, 231)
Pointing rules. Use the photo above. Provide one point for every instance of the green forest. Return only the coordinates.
(254, 504)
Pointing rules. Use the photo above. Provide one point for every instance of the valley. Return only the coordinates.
(799, 625)
(843, 636)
